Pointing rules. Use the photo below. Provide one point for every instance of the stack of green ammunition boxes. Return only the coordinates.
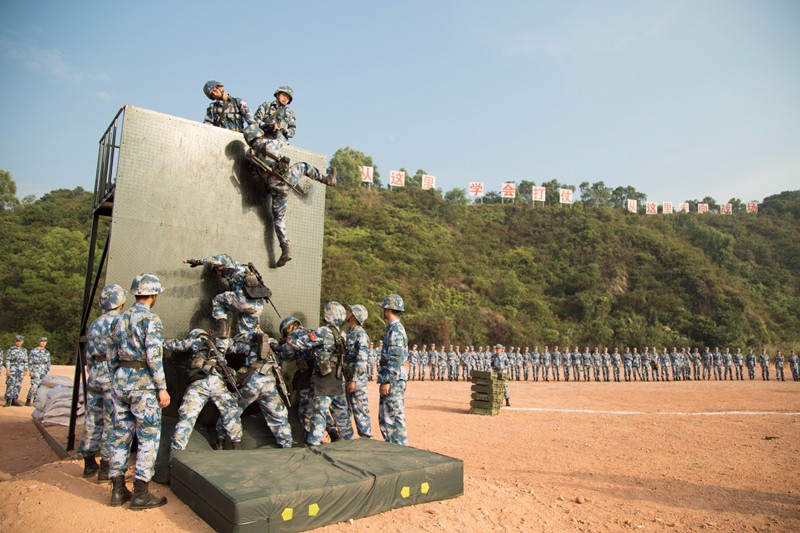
(487, 393)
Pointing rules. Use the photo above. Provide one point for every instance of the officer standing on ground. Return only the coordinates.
(38, 367)
(139, 394)
(392, 373)
(16, 369)
(357, 356)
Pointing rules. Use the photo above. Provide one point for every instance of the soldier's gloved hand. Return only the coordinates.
(193, 262)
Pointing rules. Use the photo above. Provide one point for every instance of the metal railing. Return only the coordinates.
(107, 161)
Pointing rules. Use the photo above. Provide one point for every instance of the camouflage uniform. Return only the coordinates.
(738, 363)
(205, 383)
(526, 363)
(138, 375)
(728, 362)
(423, 361)
(546, 360)
(605, 361)
(38, 368)
(500, 365)
(763, 360)
(636, 365)
(576, 363)
(442, 365)
(16, 365)
(555, 363)
(391, 416)
(232, 114)
(750, 360)
(793, 365)
(413, 361)
(717, 359)
(779, 362)
(536, 359)
(616, 361)
(696, 361)
(357, 353)
(707, 360)
(586, 362)
(597, 363)
(452, 364)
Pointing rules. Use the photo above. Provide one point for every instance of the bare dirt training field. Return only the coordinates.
(712, 456)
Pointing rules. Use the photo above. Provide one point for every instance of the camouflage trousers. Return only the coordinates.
(412, 371)
(36, 382)
(98, 423)
(305, 408)
(452, 371)
(135, 412)
(433, 371)
(465, 372)
(779, 372)
(536, 371)
(526, 371)
(627, 371)
(337, 405)
(195, 398)
(587, 372)
(729, 372)
(566, 372)
(262, 389)
(442, 370)
(14, 383)
(765, 372)
(392, 416)
(359, 406)
(576, 371)
(751, 371)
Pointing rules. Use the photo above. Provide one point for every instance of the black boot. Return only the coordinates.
(142, 499)
(8, 402)
(508, 402)
(236, 445)
(221, 331)
(28, 402)
(15, 403)
(102, 474)
(329, 178)
(333, 433)
(119, 492)
(286, 255)
(89, 465)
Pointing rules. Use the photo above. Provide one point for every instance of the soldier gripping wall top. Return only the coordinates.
(225, 111)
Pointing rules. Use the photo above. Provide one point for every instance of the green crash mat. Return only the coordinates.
(296, 489)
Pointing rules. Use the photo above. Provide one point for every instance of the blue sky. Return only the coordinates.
(681, 99)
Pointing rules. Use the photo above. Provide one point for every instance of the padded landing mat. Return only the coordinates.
(297, 489)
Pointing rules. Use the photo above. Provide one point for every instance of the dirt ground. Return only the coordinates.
(711, 456)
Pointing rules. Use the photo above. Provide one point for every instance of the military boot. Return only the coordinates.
(221, 331)
(102, 473)
(142, 498)
(286, 255)
(508, 402)
(16, 403)
(119, 492)
(236, 445)
(329, 178)
(8, 402)
(90, 466)
(28, 402)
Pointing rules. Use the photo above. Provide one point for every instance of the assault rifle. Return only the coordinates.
(224, 369)
(259, 289)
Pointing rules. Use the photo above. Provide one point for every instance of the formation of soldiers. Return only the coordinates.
(17, 363)
(599, 364)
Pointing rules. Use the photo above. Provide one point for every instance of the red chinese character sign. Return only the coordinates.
(632, 207)
(508, 190)
(651, 208)
(539, 194)
(565, 196)
(684, 207)
(366, 174)
(752, 207)
(667, 208)
(726, 209)
(428, 182)
(476, 188)
(702, 208)
(397, 178)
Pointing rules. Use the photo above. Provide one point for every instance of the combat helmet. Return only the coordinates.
(286, 322)
(287, 90)
(210, 86)
(223, 260)
(360, 312)
(112, 296)
(334, 314)
(197, 333)
(146, 285)
(393, 302)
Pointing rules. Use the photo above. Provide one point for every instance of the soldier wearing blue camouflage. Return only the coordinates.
(646, 364)
(727, 362)
(605, 361)
(536, 361)
(204, 383)
(627, 364)
(616, 362)
(526, 363)
(664, 364)
(738, 363)
(371, 361)
(597, 363)
(433, 359)
(794, 365)
(750, 361)
(555, 363)
(576, 363)
(500, 366)
(413, 361)
(546, 360)
(676, 359)
(423, 362)
(707, 361)
(38, 367)
(225, 111)
(274, 124)
(356, 361)
(586, 363)
(392, 373)
(16, 369)
(696, 362)
(139, 393)
(763, 360)
(326, 343)
(452, 364)
(636, 365)
(442, 365)
(98, 418)
(779, 362)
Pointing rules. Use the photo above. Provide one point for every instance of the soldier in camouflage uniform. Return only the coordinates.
(576, 363)
(204, 383)
(707, 361)
(677, 364)
(356, 361)
(636, 365)
(373, 356)
(423, 362)
(139, 393)
(16, 369)
(605, 361)
(727, 361)
(500, 366)
(98, 419)
(738, 363)
(586, 362)
(763, 360)
(274, 124)
(616, 362)
(392, 373)
(452, 364)
(546, 360)
(750, 361)
(664, 363)
(225, 111)
(597, 363)
(696, 361)
(433, 360)
(717, 362)
(38, 367)
(536, 361)
(779, 362)
(627, 364)
(555, 363)
(465, 362)
(327, 344)
(413, 361)
(793, 365)
(442, 364)
(646, 363)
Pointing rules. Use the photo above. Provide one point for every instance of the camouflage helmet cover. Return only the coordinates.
(146, 285)
(286, 322)
(210, 86)
(197, 333)
(393, 302)
(360, 312)
(334, 313)
(112, 296)
(286, 90)
(223, 260)
(19, 338)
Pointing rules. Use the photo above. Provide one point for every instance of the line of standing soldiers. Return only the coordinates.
(17, 363)
(601, 364)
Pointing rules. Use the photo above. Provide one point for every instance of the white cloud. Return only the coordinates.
(46, 61)
(103, 95)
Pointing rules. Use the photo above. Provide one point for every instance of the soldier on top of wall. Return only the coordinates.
(225, 111)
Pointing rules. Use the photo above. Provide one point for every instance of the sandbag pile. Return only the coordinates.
(488, 393)
(54, 401)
